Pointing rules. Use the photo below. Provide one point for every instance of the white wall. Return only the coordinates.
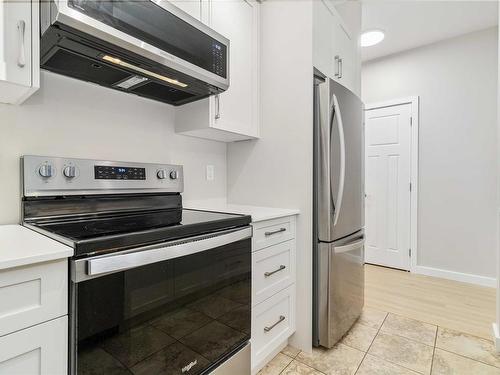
(276, 170)
(496, 325)
(72, 118)
(457, 83)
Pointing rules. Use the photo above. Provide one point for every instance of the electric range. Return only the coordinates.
(154, 288)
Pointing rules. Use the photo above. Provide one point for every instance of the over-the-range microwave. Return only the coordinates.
(145, 47)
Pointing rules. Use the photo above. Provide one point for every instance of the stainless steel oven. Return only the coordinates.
(154, 289)
(156, 311)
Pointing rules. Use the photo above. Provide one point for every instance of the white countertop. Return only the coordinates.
(257, 213)
(20, 246)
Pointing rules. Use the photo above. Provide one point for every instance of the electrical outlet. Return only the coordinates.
(210, 173)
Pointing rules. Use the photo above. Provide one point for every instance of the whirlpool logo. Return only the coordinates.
(189, 366)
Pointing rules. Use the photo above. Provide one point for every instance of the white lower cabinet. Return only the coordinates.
(274, 270)
(273, 288)
(38, 350)
(33, 319)
(273, 322)
(33, 294)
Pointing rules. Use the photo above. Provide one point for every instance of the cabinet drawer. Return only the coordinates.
(32, 294)
(273, 322)
(270, 232)
(273, 269)
(38, 350)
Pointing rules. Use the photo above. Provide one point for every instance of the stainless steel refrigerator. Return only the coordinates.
(338, 283)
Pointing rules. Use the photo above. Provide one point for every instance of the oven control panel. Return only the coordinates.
(51, 176)
(107, 172)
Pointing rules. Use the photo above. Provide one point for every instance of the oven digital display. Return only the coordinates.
(106, 172)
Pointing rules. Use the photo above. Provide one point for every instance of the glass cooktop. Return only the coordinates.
(116, 232)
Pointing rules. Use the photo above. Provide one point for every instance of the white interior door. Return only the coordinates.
(387, 179)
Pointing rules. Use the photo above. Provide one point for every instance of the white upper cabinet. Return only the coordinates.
(234, 114)
(335, 45)
(191, 7)
(19, 50)
(323, 38)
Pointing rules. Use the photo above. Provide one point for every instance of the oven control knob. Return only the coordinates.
(174, 175)
(161, 174)
(46, 171)
(69, 171)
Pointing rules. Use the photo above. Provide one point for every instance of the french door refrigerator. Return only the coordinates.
(338, 258)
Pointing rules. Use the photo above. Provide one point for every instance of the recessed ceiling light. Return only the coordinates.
(371, 37)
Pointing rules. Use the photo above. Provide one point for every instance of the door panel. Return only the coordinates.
(236, 20)
(350, 208)
(342, 293)
(161, 317)
(322, 170)
(330, 134)
(388, 186)
(191, 7)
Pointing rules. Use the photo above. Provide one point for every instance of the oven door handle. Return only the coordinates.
(157, 253)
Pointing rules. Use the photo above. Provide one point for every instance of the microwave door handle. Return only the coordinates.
(340, 126)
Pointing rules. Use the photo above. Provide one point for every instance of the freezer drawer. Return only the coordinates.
(341, 288)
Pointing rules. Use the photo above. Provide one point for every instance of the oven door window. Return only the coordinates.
(156, 26)
(179, 316)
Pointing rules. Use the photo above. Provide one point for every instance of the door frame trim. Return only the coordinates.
(414, 102)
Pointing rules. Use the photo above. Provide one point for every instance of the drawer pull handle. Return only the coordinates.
(275, 231)
(267, 329)
(267, 274)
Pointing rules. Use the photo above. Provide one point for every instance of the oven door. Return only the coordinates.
(176, 308)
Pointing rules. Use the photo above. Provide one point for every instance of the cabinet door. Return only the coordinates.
(343, 48)
(15, 44)
(38, 350)
(191, 7)
(237, 109)
(33, 294)
(19, 50)
(323, 38)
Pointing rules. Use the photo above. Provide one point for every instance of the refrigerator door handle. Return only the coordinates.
(350, 247)
(340, 125)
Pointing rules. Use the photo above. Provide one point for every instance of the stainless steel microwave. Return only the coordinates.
(145, 47)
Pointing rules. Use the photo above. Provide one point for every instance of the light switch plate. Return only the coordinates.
(210, 173)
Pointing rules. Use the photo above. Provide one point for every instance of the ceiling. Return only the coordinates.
(409, 24)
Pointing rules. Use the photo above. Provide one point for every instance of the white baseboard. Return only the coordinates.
(496, 337)
(457, 276)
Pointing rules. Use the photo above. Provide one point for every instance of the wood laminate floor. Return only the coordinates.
(463, 307)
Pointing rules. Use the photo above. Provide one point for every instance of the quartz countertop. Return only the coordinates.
(20, 246)
(257, 213)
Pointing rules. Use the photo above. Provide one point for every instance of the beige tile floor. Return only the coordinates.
(389, 344)
(397, 340)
